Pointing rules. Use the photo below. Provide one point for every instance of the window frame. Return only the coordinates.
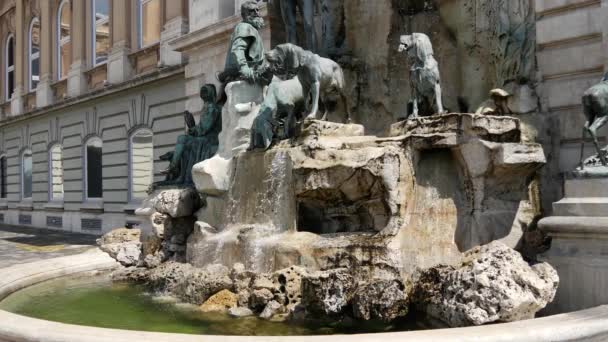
(50, 174)
(130, 165)
(3, 177)
(26, 151)
(8, 69)
(140, 23)
(30, 55)
(94, 24)
(85, 179)
(60, 42)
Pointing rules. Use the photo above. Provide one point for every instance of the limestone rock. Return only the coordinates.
(213, 212)
(493, 284)
(200, 284)
(212, 176)
(129, 254)
(176, 233)
(319, 128)
(151, 244)
(381, 299)
(271, 309)
(260, 298)
(158, 223)
(240, 312)
(153, 260)
(220, 302)
(123, 245)
(167, 277)
(327, 292)
(289, 281)
(244, 296)
(130, 274)
(121, 235)
(241, 277)
(264, 281)
(178, 202)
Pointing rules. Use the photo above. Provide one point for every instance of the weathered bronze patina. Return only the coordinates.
(245, 57)
(198, 144)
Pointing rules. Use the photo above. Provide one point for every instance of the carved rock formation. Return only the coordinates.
(123, 245)
(493, 284)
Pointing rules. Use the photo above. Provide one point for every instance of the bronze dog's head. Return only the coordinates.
(284, 60)
(417, 46)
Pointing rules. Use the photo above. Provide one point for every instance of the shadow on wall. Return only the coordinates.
(445, 199)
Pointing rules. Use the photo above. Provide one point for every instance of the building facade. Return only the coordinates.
(92, 91)
(90, 99)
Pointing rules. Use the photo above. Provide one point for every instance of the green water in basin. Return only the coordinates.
(99, 302)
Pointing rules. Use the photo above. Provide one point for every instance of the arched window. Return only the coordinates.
(26, 174)
(141, 157)
(3, 178)
(101, 30)
(93, 168)
(64, 46)
(9, 74)
(33, 48)
(149, 22)
(56, 173)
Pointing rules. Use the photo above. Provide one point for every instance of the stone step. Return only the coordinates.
(586, 187)
(568, 225)
(588, 206)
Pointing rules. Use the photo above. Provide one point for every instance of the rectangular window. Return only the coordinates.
(94, 170)
(142, 164)
(65, 45)
(56, 165)
(27, 175)
(3, 177)
(149, 22)
(101, 31)
(34, 50)
(10, 68)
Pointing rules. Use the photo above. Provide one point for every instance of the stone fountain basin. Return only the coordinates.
(585, 325)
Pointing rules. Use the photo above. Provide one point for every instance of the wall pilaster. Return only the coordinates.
(44, 93)
(119, 66)
(77, 83)
(17, 99)
(175, 25)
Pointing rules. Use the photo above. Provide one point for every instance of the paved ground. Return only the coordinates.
(20, 245)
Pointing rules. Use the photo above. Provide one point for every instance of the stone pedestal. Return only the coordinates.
(212, 176)
(17, 103)
(174, 28)
(44, 92)
(579, 247)
(77, 81)
(119, 67)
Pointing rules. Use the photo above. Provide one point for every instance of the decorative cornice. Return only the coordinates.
(555, 11)
(588, 38)
(162, 74)
(598, 70)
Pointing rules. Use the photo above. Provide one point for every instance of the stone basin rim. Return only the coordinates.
(584, 325)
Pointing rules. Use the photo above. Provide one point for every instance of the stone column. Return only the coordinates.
(17, 98)
(44, 93)
(175, 25)
(119, 66)
(77, 82)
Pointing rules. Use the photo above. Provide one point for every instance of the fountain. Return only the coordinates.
(300, 226)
